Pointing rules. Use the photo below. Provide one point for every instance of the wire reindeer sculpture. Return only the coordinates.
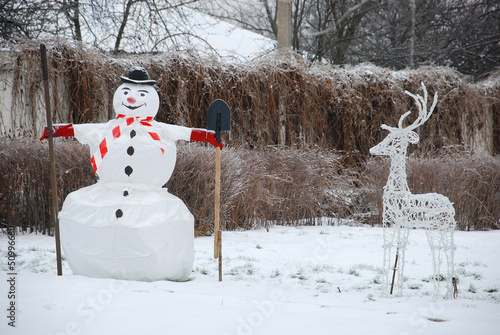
(403, 210)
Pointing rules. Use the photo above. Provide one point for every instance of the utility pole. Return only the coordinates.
(284, 8)
(412, 33)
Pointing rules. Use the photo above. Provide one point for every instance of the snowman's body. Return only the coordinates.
(134, 156)
(126, 226)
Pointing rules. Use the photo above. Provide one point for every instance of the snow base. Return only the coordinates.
(152, 238)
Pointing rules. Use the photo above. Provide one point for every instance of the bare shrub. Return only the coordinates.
(277, 185)
(281, 185)
(25, 180)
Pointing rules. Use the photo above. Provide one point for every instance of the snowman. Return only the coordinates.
(126, 226)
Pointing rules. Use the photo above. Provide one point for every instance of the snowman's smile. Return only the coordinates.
(133, 107)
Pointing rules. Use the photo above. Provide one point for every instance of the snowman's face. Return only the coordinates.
(136, 100)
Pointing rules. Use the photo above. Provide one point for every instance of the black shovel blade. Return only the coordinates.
(219, 117)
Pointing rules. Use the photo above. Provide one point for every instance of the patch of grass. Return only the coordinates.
(275, 273)
(370, 297)
(353, 271)
(465, 273)
(441, 277)
(247, 258)
(202, 270)
(322, 289)
(233, 272)
(431, 278)
(479, 263)
(299, 275)
(361, 287)
(317, 268)
(247, 269)
(414, 286)
(491, 290)
(471, 288)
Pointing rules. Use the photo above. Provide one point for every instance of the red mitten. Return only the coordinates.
(201, 135)
(59, 130)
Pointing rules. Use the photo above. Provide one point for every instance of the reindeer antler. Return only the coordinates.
(423, 113)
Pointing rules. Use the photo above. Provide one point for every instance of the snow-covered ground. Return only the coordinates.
(291, 280)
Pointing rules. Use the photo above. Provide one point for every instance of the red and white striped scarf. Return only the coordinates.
(116, 132)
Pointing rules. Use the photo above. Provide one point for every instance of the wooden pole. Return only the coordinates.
(53, 180)
(284, 24)
(217, 202)
(219, 247)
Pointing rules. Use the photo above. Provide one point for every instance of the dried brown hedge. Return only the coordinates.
(280, 185)
(25, 196)
(312, 127)
(280, 100)
(277, 185)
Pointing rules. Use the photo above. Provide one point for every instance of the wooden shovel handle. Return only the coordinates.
(217, 202)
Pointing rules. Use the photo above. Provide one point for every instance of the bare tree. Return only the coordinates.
(126, 14)
(463, 34)
(71, 9)
(256, 15)
(142, 24)
(23, 19)
(323, 28)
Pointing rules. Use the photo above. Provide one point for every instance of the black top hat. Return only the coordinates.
(138, 75)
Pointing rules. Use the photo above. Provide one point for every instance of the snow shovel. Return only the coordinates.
(218, 119)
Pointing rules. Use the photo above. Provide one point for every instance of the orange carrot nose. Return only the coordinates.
(131, 100)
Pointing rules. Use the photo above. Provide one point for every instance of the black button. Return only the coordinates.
(130, 150)
(129, 170)
(119, 213)
(125, 193)
(132, 134)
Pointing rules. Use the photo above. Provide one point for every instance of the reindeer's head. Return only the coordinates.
(397, 141)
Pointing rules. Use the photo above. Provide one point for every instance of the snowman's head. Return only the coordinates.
(136, 96)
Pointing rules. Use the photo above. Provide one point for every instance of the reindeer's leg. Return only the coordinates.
(390, 231)
(440, 241)
(449, 250)
(434, 237)
(402, 242)
(440, 238)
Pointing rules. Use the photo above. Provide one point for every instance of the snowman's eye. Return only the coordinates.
(125, 93)
(143, 94)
